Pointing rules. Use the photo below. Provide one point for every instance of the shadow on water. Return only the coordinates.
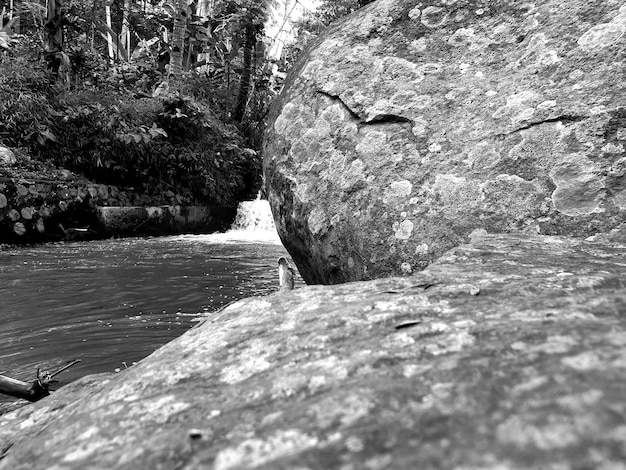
(116, 301)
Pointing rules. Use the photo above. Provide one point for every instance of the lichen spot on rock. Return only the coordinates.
(523, 433)
(585, 361)
(329, 46)
(517, 106)
(523, 115)
(256, 452)
(418, 45)
(604, 35)
(433, 17)
(354, 177)
(434, 147)
(92, 443)
(373, 149)
(463, 37)
(344, 409)
(545, 105)
(403, 230)
(620, 200)
(252, 360)
(313, 71)
(397, 191)
(396, 69)
(318, 222)
(421, 249)
(482, 157)
(334, 115)
(354, 444)
(420, 126)
(457, 193)
(287, 117)
(579, 190)
(158, 409)
(415, 13)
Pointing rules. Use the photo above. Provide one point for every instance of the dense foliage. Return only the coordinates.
(126, 122)
(160, 95)
(170, 143)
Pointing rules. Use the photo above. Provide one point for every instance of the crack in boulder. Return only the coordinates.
(564, 119)
(375, 120)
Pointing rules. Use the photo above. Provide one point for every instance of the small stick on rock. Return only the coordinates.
(286, 274)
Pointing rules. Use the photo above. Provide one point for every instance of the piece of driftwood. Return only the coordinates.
(31, 391)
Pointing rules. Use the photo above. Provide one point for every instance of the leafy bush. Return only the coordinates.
(156, 144)
(25, 108)
(169, 144)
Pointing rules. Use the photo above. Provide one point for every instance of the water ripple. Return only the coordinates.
(113, 301)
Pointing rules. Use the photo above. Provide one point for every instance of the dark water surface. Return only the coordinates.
(115, 301)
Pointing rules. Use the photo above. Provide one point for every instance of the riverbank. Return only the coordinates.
(40, 203)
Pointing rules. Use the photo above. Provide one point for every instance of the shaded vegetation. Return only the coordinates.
(126, 122)
(161, 96)
(167, 143)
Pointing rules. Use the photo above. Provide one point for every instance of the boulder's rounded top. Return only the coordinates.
(502, 116)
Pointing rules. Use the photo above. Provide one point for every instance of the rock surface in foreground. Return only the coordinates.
(509, 352)
(411, 124)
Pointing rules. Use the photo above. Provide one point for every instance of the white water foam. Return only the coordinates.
(254, 216)
(253, 223)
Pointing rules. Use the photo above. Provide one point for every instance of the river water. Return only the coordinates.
(113, 302)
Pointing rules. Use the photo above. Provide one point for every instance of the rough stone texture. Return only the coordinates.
(411, 124)
(506, 353)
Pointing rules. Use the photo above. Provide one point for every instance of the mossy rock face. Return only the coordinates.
(506, 353)
(411, 124)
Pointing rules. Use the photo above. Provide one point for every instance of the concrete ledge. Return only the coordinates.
(164, 219)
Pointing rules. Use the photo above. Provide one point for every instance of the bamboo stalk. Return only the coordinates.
(107, 11)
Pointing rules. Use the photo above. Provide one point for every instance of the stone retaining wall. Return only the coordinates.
(131, 221)
(37, 210)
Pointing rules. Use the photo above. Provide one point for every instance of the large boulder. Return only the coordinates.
(413, 123)
(507, 353)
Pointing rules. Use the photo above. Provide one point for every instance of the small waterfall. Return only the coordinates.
(254, 216)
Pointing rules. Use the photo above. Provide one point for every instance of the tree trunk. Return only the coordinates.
(178, 38)
(93, 22)
(125, 33)
(246, 75)
(107, 12)
(53, 36)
